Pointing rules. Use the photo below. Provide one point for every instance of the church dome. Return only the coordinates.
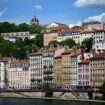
(34, 20)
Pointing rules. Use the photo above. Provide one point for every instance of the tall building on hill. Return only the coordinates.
(52, 32)
(95, 25)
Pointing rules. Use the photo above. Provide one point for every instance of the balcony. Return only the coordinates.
(48, 78)
(48, 72)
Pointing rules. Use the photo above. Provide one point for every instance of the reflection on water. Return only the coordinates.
(14, 101)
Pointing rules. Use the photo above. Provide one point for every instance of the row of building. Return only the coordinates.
(59, 32)
(61, 68)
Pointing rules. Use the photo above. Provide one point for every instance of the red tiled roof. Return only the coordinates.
(58, 57)
(18, 61)
(84, 62)
(92, 31)
(4, 59)
(69, 30)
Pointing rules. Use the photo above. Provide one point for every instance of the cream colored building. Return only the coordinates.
(58, 71)
(18, 74)
(69, 34)
(97, 70)
(93, 25)
(52, 31)
(66, 59)
(97, 35)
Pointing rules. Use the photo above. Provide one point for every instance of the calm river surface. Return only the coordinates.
(13, 101)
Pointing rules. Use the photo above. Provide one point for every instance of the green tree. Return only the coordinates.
(87, 44)
(28, 42)
(19, 43)
(39, 40)
(6, 48)
(103, 91)
(90, 94)
(53, 43)
(68, 42)
(8, 27)
(35, 28)
(23, 27)
(48, 90)
(20, 53)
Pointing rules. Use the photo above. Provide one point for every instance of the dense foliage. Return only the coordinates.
(67, 42)
(20, 48)
(103, 91)
(6, 27)
(48, 90)
(90, 94)
(87, 44)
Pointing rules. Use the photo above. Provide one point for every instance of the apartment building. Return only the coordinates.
(36, 69)
(18, 74)
(99, 46)
(69, 34)
(58, 71)
(66, 64)
(52, 31)
(97, 70)
(75, 54)
(3, 73)
(15, 34)
(97, 35)
(93, 25)
(83, 75)
(48, 66)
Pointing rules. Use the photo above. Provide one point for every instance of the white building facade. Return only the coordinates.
(71, 34)
(36, 70)
(18, 75)
(3, 73)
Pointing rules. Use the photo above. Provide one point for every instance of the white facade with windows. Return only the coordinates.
(48, 67)
(3, 73)
(97, 35)
(75, 35)
(73, 72)
(99, 46)
(18, 75)
(36, 70)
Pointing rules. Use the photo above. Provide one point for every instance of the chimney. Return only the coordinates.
(66, 47)
(82, 53)
(99, 51)
(74, 49)
(93, 51)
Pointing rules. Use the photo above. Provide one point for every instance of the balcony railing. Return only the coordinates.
(48, 78)
(48, 72)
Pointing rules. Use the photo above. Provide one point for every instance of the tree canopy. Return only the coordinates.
(67, 42)
(53, 43)
(87, 44)
(6, 27)
(20, 48)
(103, 90)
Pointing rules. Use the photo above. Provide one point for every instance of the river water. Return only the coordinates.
(14, 101)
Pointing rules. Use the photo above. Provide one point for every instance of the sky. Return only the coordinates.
(70, 12)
